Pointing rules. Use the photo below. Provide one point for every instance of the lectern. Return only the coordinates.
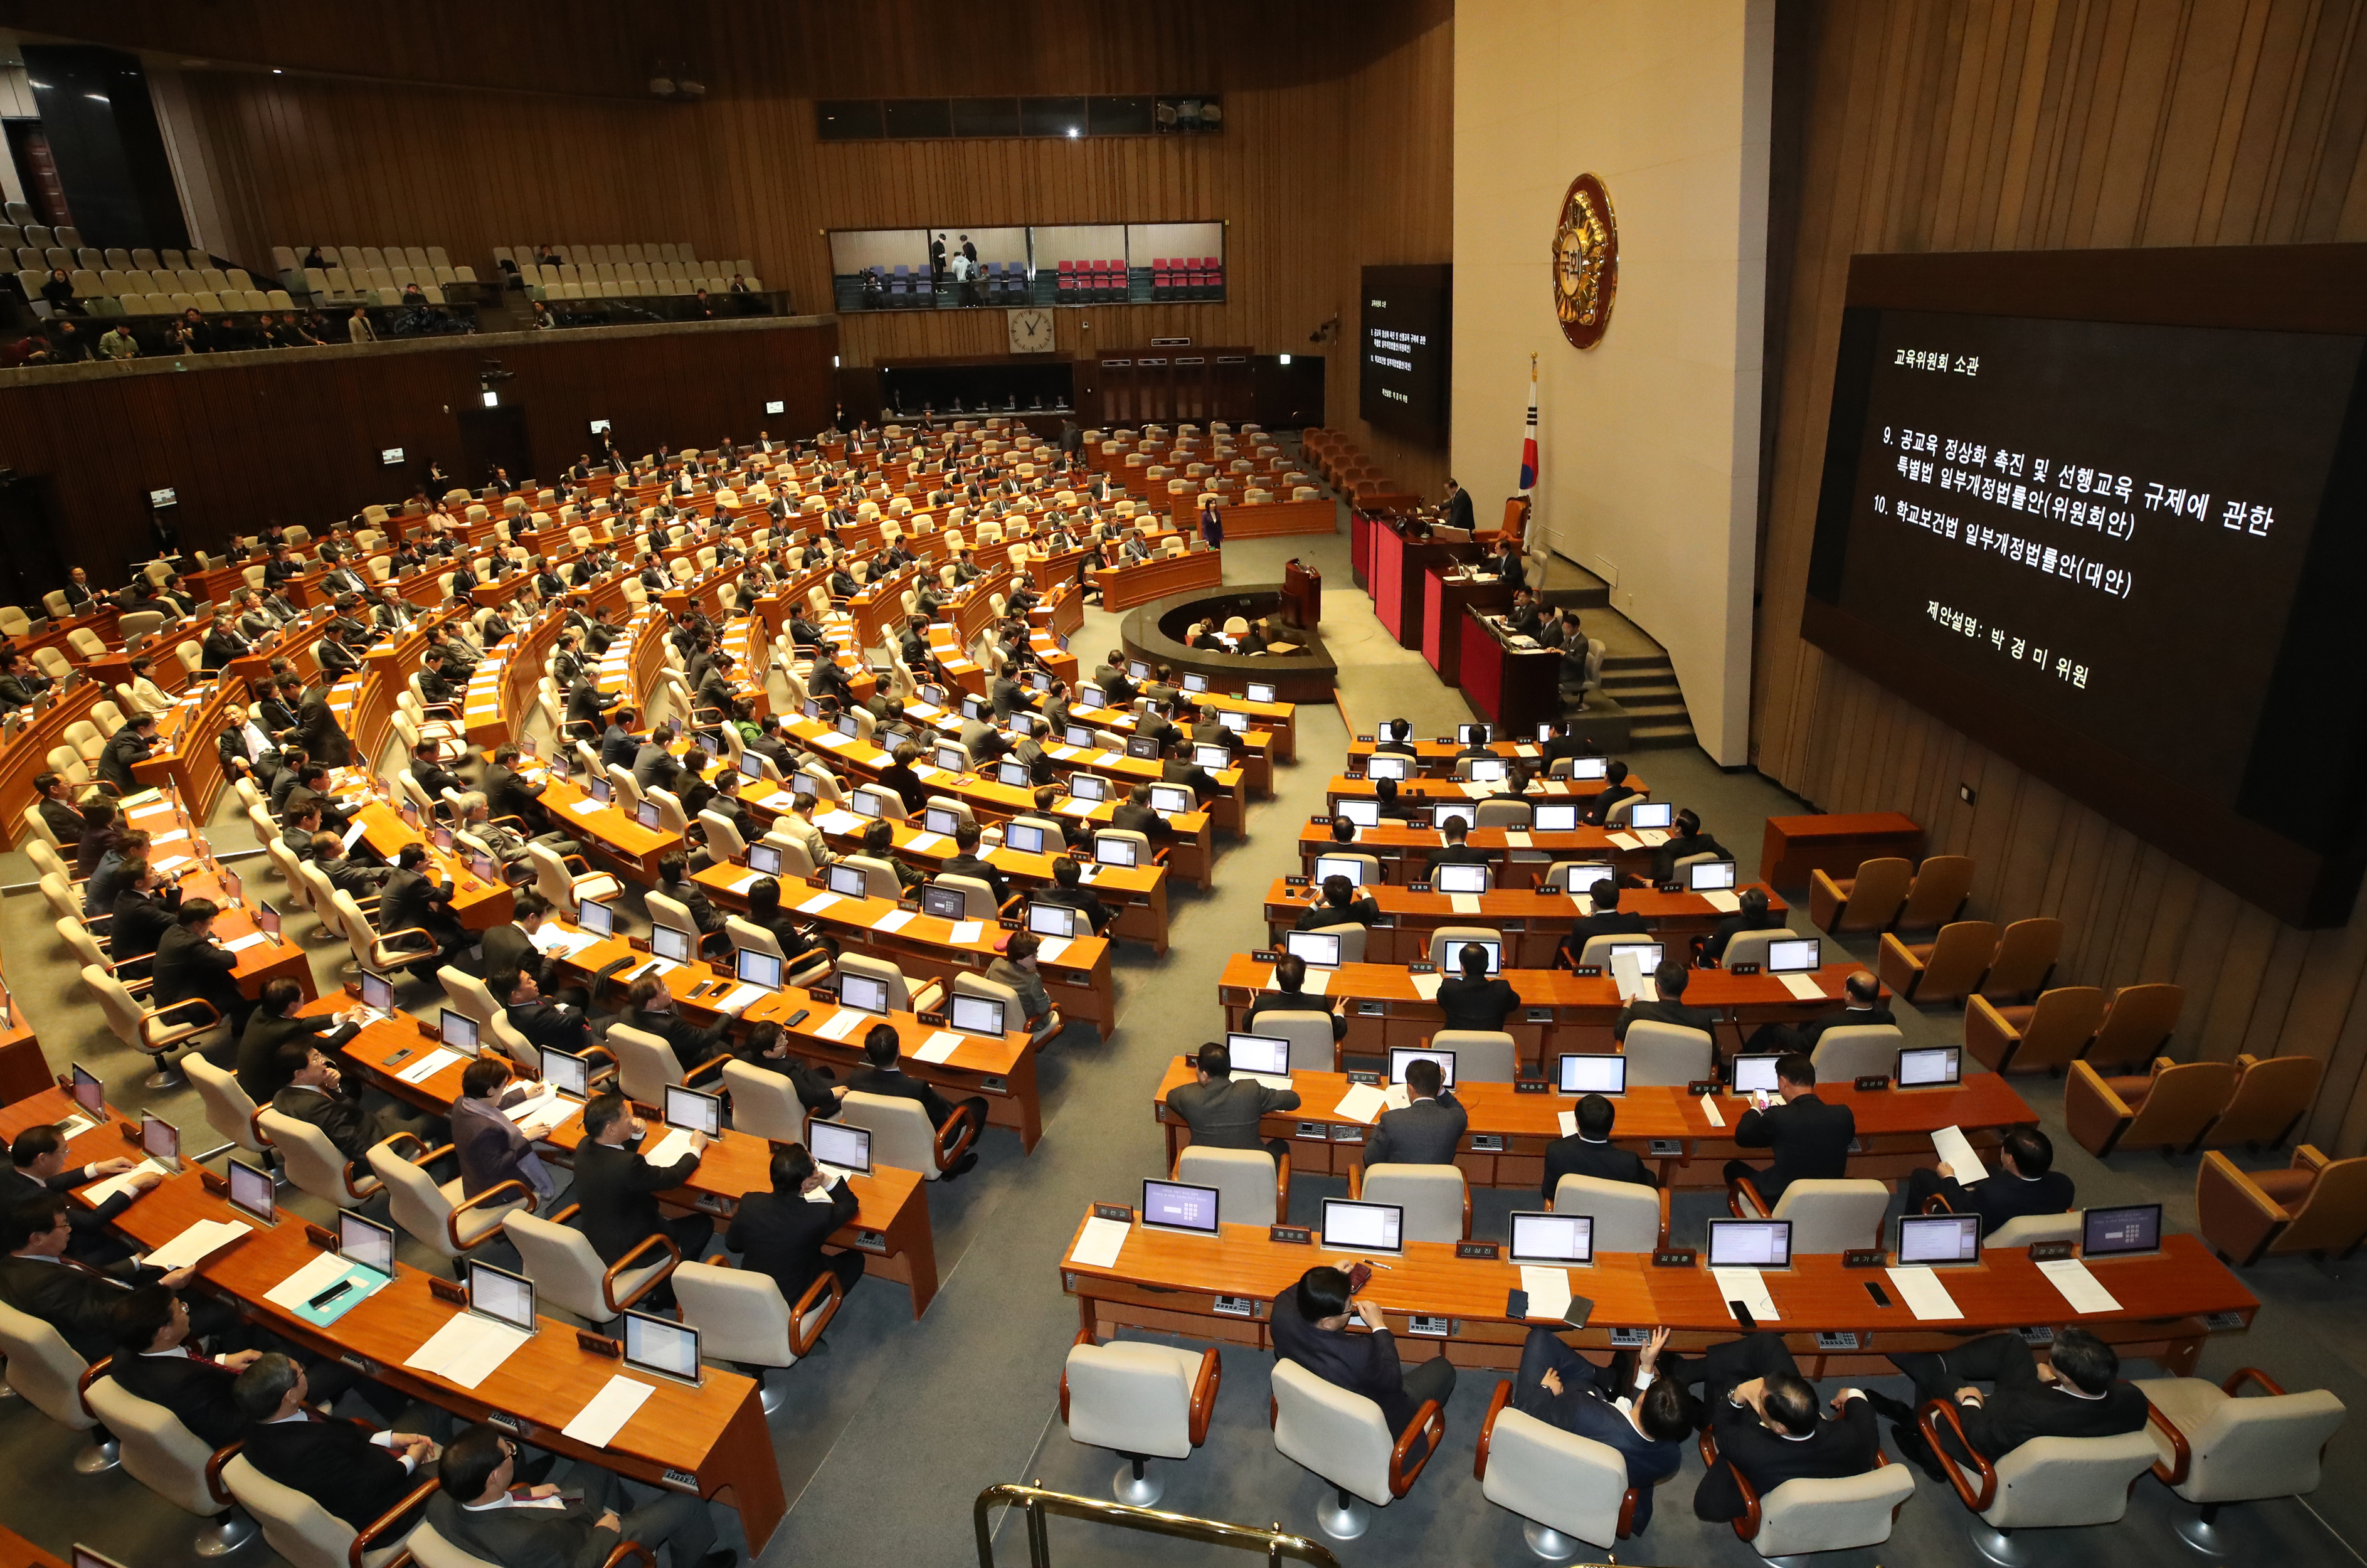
(1302, 595)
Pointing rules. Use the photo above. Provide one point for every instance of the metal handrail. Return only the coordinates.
(1274, 1543)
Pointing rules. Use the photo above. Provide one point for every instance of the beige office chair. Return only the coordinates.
(879, 877)
(2028, 1230)
(1662, 1054)
(1838, 1215)
(1819, 1514)
(1146, 1401)
(1436, 1198)
(48, 1373)
(170, 1460)
(2044, 1484)
(1312, 1049)
(1252, 1186)
(741, 1318)
(1565, 1488)
(765, 1104)
(156, 1031)
(1628, 1216)
(313, 1163)
(569, 1275)
(1481, 1056)
(977, 899)
(1342, 1438)
(901, 1136)
(2214, 1449)
(230, 1110)
(442, 1217)
(308, 1535)
(565, 882)
(1857, 1051)
(647, 1066)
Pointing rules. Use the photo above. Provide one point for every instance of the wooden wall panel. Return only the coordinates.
(296, 436)
(2036, 124)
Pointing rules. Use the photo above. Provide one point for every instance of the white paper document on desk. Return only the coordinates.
(1748, 1286)
(466, 1350)
(1924, 1294)
(1568, 1122)
(427, 1066)
(1806, 987)
(1101, 1242)
(600, 1420)
(1426, 985)
(1048, 954)
(841, 1023)
(939, 1047)
(1724, 900)
(1956, 1154)
(818, 902)
(582, 807)
(99, 1192)
(252, 939)
(204, 1238)
(324, 1270)
(1465, 902)
(2080, 1286)
(1514, 838)
(1626, 841)
(1361, 1103)
(1709, 1109)
(549, 939)
(894, 920)
(1548, 1291)
(670, 1148)
(967, 931)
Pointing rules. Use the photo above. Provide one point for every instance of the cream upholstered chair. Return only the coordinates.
(2215, 1448)
(170, 1460)
(308, 1535)
(230, 1110)
(1436, 1198)
(901, 1136)
(1750, 947)
(441, 1216)
(1481, 1056)
(647, 1066)
(313, 1163)
(1342, 1438)
(1145, 1402)
(1666, 1054)
(2027, 1230)
(765, 1104)
(1565, 1488)
(741, 1318)
(1857, 1051)
(569, 1275)
(558, 880)
(1811, 1514)
(2044, 1484)
(1252, 1186)
(48, 1373)
(1628, 1216)
(155, 1031)
(1836, 1215)
(1446, 945)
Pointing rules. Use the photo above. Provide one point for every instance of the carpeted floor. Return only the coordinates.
(892, 1429)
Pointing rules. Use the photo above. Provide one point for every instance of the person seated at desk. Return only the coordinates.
(147, 905)
(1614, 790)
(346, 874)
(1225, 1112)
(221, 645)
(312, 786)
(1768, 1430)
(155, 1361)
(1429, 1127)
(965, 861)
(543, 1020)
(653, 764)
(1118, 689)
(1457, 830)
(134, 742)
(1755, 915)
(315, 1092)
(899, 775)
(675, 882)
(80, 1303)
(1386, 803)
(880, 844)
(189, 964)
(37, 1166)
(781, 1233)
(416, 898)
(1523, 619)
(491, 1148)
(586, 703)
(279, 1022)
(649, 1008)
(1069, 891)
(1016, 966)
(882, 1073)
(1670, 979)
(619, 747)
(357, 1477)
(1473, 1001)
(1177, 768)
(1862, 1004)
(1397, 740)
(1339, 906)
(1811, 1138)
(1607, 920)
(2025, 1182)
(433, 777)
(1627, 1405)
(1136, 814)
(1687, 841)
(617, 1188)
(53, 800)
(2081, 1395)
(1588, 1151)
(1289, 976)
(19, 682)
(1310, 1325)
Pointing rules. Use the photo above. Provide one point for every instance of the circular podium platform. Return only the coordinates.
(1154, 633)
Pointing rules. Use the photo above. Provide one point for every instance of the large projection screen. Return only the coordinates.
(2102, 511)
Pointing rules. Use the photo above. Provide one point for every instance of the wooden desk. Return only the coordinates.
(1404, 851)
(259, 963)
(1168, 1283)
(711, 1440)
(1516, 687)
(1443, 794)
(1261, 519)
(891, 1227)
(1123, 588)
(480, 904)
(16, 1551)
(1533, 923)
(1559, 1011)
(1665, 1126)
(1446, 593)
(1834, 843)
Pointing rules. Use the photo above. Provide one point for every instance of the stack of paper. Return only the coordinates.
(597, 1424)
(842, 1023)
(894, 920)
(1101, 1242)
(1748, 1286)
(558, 943)
(204, 1237)
(1709, 1109)
(967, 931)
(1805, 987)
(928, 843)
(100, 1191)
(673, 1146)
(1426, 985)
(1627, 973)
(1361, 1103)
(582, 807)
(467, 1348)
(427, 1066)
(1925, 1296)
(526, 1109)
(1397, 1097)
(1548, 1291)
(1956, 1154)
(1626, 841)
(1049, 952)
(817, 904)
(1724, 900)
(240, 944)
(2079, 1287)
(1465, 902)
(939, 1047)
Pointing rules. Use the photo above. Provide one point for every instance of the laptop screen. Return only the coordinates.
(1930, 1067)
(1195, 683)
(1471, 734)
(1172, 799)
(1452, 877)
(764, 858)
(940, 818)
(670, 942)
(1552, 1238)
(1353, 1226)
(756, 968)
(1392, 765)
(953, 759)
(1485, 769)
(1088, 787)
(849, 882)
(1364, 813)
(661, 1346)
(595, 918)
(945, 904)
(1319, 948)
(1491, 946)
(1330, 865)
(365, 1241)
(1259, 1053)
(1178, 1206)
(1211, 757)
(501, 1295)
(253, 1191)
(838, 1144)
(1553, 818)
(1649, 813)
(1403, 1056)
(1939, 1238)
(1594, 1072)
(1750, 1244)
(2113, 1232)
(567, 1073)
(863, 992)
(1109, 849)
(1799, 956)
(1754, 1072)
(1589, 767)
(977, 1015)
(1709, 876)
(693, 1111)
(1027, 837)
(1261, 692)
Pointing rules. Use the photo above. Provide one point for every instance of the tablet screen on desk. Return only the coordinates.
(1238, 724)
(1930, 1067)
(498, 1294)
(1646, 955)
(1027, 837)
(598, 918)
(1364, 813)
(1109, 849)
(1404, 1056)
(1556, 818)
(1085, 786)
(1589, 767)
(752, 765)
(1452, 877)
(978, 1016)
(670, 942)
(1172, 799)
(1755, 1073)
(1392, 765)
(1330, 865)
(2121, 1232)
(1353, 1226)
(758, 969)
(567, 1073)
(458, 1030)
(1261, 692)
(693, 1111)
(836, 1144)
(1258, 1053)
(863, 992)
(661, 1346)
(1552, 1238)
(253, 1192)
(849, 882)
(1195, 683)
(953, 759)
(1803, 955)
(1939, 1238)
(945, 904)
(1709, 876)
(1319, 948)
(1471, 734)
(365, 1241)
(1178, 1206)
(1492, 947)
(1750, 1244)
(1077, 735)
(90, 1092)
(1211, 757)
(377, 992)
(1485, 769)
(1142, 748)
(765, 859)
(1051, 919)
(1594, 1072)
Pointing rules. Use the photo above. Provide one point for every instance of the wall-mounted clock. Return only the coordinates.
(1031, 331)
(1585, 262)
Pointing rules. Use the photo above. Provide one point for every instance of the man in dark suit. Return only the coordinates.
(649, 1008)
(1754, 915)
(315, 1092)
(1608, 920)
(1768, 1426)
(2081, 1395)
(619, 1190)
(509, 793)
(1070, 893)
(355, 1476)
(1472, 1000)
(618, 746)
(1180, 769)
(1862, 1004)
(2025, 1182)
(653, 764)
(1429, 1129)
(968, 862)
(145, 907)
(781, 1232)
(479, 1477)
(586, 703)
(1670, 979)
(36, 1280)
(1459, 507)
(1309, 1323)
(37, 1166)
(131, 743)
(1339, 906)
(416, 898)
(1810, 1138)
(1626, 1405)
(1686, 842)
(221, 645)
(1289, 996)
(1524, 620)
(278, 1021)
(433, 776)
(1224, 1112)
(1588, 1151)
(1614, 790)
(318, 732)
(1456, 828)
(57, 813)
(882, 1074)
(1505, 564)
(190, 964)
(155, 1361)
(543, 1020)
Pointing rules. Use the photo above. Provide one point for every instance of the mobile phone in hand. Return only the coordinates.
(1359, 1275)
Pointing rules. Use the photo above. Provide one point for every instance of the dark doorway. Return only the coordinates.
(37, 172)
(492, 438)
(1289, 395)
(29, 561)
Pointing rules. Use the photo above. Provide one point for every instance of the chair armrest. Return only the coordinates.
(948, 1156)
(367, 1539)
(352, 1190)
(567, 1213)
(1742, 1190)
(1205, 1385)
(1664, 1217)
(712, 1064)
(90, 1375)
(1282, 1184)
(1356, 1180)
(214, 1464)
(153, 1039)
(2310, 1156)
(1496, 1404)
(826, 1283)
(502, 1192)
(425, 1156)
(1430, 1422)
(1930, 1418)
(2243, 1375)
(2181, 1457)
(385, 944)
(630, 1550)
(1746, 1524)
(608, 1279)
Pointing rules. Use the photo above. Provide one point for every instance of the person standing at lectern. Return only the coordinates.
(1459, 507)
(1212, 524)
